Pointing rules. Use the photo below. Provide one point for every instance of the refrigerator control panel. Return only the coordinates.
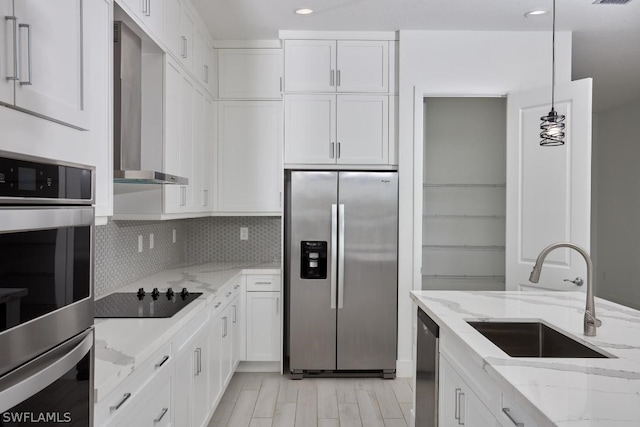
(313, 260)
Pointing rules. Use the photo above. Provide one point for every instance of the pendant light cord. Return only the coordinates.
(553, 56)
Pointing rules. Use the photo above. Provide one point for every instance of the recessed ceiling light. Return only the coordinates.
(535, 12)
(304, 11)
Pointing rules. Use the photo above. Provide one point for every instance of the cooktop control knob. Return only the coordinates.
(141, 293)
(155, 293)
(184, 293)
(170, 293)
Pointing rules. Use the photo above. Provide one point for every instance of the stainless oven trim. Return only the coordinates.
(28, 380)
(49, 201)
(58, 326)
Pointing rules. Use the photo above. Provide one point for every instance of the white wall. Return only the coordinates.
(618, 204)
(455, 63)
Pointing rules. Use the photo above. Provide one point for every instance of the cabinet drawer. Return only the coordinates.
(513, 414)
(265, 282)
(132, 389)
(154, 410)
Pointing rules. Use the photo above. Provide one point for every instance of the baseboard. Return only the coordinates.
(404, 368)
(258, 367)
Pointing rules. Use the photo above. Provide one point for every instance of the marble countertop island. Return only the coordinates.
(121, 345)
(566, 391)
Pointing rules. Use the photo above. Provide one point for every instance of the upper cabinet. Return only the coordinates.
(150, 13)
(34, 80)
(337, 66)
(186, 38)
(250, 73)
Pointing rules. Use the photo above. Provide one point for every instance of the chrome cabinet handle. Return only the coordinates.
(205, 197)
(577, 281)
(197, 353)
(457, 410)
(183, 40)
(217, 305)
(334, 252)
(117, 406)
(338, 79)
(224, 319)
(281, 84)
(162, 362)
(515, 422)
(339, 147)
(144, 7)
(461, 420)
(15, 47)
(206, 74)
(235, 313)
(332, 150)
(341, 256)
(332, 78)
(162, 414)
(148, 7)
(28, 27)
(261, 283)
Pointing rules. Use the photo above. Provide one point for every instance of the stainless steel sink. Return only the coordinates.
(533, 339)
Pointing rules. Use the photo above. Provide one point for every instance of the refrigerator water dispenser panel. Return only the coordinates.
(313, 260)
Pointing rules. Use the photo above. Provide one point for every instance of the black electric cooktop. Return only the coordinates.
(143, 305)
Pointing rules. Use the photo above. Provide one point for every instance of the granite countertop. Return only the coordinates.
(568, 392)
(121, 345)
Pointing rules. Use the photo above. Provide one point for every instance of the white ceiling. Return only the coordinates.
(606, 38)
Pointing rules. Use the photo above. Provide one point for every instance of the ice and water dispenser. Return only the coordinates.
(313, 260)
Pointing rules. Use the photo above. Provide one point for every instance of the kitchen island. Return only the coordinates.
(535, 391)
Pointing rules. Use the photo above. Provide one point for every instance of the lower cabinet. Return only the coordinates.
(156, 410)
(459, 405)
(192, 405)
(263, 326)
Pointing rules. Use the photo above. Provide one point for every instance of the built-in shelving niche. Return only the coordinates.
(463, 221)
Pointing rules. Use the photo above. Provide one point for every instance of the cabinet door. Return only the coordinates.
(226, 347)
(186, 38)
(363, 66)
(172, 26)
(363, 129)
(52, 85)
(198, 160)
(310, 65)
(250, 73)
(215, 361)
(207, 155)
(200, 404)
(263, 326)
(458, 404)
(310, 129)
(192, 378)
(8, 50)
(249, 156)
(237, 334)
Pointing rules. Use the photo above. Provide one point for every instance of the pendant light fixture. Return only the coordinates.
(552, 125)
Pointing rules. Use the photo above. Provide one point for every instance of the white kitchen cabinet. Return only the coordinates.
(250, 73)
(459, 405)
(202, 59)
(336, 66)
(192, 405)
(129, 404)
(32, 79)
(186, 38)
(263, 326)
(172, 26)
(226, 345)
(150, 13)
(249, 158)
(236, 332)
(337, 129)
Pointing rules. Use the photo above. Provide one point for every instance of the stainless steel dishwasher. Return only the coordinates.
(426, 409)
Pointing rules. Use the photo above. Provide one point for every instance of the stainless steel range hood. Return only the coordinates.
(127, 118)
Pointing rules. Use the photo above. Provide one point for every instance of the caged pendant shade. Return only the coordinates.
(552, 125)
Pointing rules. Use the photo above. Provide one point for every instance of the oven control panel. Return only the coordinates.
(22, 178)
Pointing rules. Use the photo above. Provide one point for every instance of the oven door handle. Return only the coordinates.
(29, 379)
(43, 218)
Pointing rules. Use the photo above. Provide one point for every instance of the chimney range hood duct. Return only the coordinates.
(127, 117)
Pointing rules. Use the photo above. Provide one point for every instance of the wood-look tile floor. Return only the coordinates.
(273, 400)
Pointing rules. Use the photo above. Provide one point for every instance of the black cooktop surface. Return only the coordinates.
(132, 305)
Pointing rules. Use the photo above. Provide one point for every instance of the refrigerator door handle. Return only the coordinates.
(341, 256)
(334, 252)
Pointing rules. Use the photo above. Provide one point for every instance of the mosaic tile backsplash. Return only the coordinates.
(198, 240)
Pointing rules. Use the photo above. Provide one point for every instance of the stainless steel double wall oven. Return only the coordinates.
(46, 292)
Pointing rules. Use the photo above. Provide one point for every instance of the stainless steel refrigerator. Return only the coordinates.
(341, 271)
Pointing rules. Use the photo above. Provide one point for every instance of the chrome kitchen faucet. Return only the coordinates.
(590, 320)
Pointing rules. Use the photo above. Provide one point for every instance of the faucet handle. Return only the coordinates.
(577, 281)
